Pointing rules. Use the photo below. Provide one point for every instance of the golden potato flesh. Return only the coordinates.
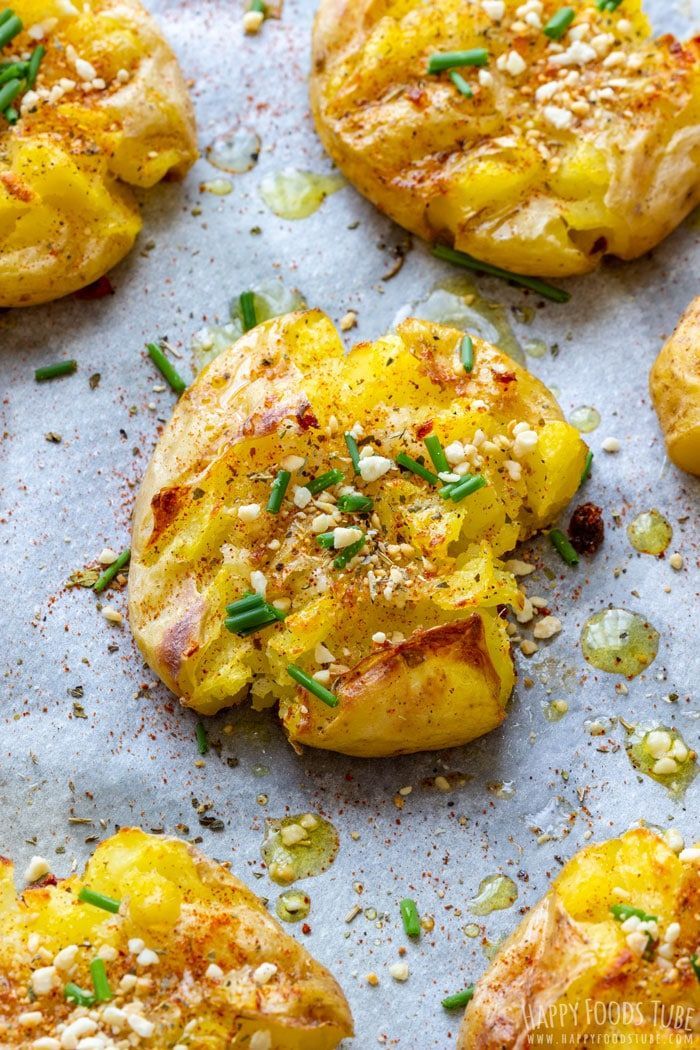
(190, 957)
(675, 390)
(408, 635)
(568, 149)
(580, 965)
(109, 111)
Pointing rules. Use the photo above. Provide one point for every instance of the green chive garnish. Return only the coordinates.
(278, 491)
(354, 503)
(459, 999)
(410, 917)
(77, 995)
(459, 490)
(99, 900)
(258, 5)
(608, 5)
(466, 353)
(103, 993)
(325, 481)
(461, 84)
(111, 571)
(547, 291)
(200, 733)
(348, 553)
(34, 63)
(353, 450)
(4, 15)
(9, 29)
(13, 71)
(166, 369)
(11, 115)
(563, 547)
(248, 601)
(437, 454)
(587, 468)
(253, 620)
(476, 56)
(415, 467)
(695, 963)
(248, 316)
(61, 368)
(9, 92)
(312, 686)
(559, 23)
(622, 912)
(326, 540)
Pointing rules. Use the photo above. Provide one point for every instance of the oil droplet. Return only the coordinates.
(298, 847)
(271, 298)
(458, 303)
(555, 710)
(661, 753)
(261, 771)
(295, 194)
(650, 532)
(496, 892)
(620, 642)
(586, 419)
(471, 930)
(219, 187)
(293, 906)
(535, 348)
(235, 151)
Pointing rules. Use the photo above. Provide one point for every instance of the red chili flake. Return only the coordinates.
(587, 528)
(305, 928)
(97, 290)
(424, 429)
(505, 377)
(307, 419)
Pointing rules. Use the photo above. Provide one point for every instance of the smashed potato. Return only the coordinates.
(610, 953)
(363, 582)
(156, 946)
(108, 111)
(675, 389)
(574, 135)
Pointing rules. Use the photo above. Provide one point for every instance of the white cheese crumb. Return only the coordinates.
(495, 9)
(84, 69)
(36, 869)
(399, 971)
(44, 980)
(46, 1043)
(515, 64)
(214, 972)
(292, 835)
(141, 1025)
(252, 20)
(265, 971)
(261, 1041)
(107, 556)
(343, 537)
(293, 463)
(519, 568)
(690, 856)
(112, 615)
(30, 1018)
(674, 840)
(664, 767)
(322, 655)
(322, 523)
(637, 941)
(379, 638)
(547, 627)
(65, 959)
(547, 91)
(373, 467)
(136, 945)
(113, 1016)
(485, 78)
(676, 561)
(147, 957)
(658, 743)
(249, 512)
(258, 581)
(524, 443)
(302, 496)
(558, 117)
(611, 444)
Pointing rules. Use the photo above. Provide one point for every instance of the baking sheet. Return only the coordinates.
(131, 759)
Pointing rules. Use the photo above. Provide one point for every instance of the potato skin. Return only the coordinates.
(191, 911)
(419, 655)
(570, 954)
(67, 210)
(537, 199)
(674, 383)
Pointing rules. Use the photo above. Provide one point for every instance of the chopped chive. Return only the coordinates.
(460, 83)
(9, 28)
(466, 353)
(348, 553)
(277, 492)
(476, 56)
(326, 540)
(312, 686)
(325, 481)
(111, 571)
(459, 999)
(695, 963)
(247, 304)
(4, 15)
(166, 368)
(34, 63)
(13, 71)
(459, 490)
(353, 450)
(200, 733)
(9, 92)
(11, 115)
(559, 23)
(61, 368)
(563, 547)
(543, 288)
(622, 912)
(103, 993)
(248, 601)
(99, 900)
(252, 620)
(410, 917)
(77, 995)
(437, 454)
(608, 5)
(587, 468)
(354, 503)
(406, 461)
(258, 5)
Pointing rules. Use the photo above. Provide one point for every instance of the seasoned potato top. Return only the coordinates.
(573, 134)
(98, 104)
(367, 498)
(155, 946)
(613, 948)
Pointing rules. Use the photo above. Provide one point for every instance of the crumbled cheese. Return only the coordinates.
(658, 743)
(348, 321)
(214, 972)
(637, 941)
(258, 581)
(323, 676)
(136, 945)
(454, 453)
(495, 9)
(128, 982)
(249, 512)
(515, 471)
(676, 561)
(147, 957)
(690, 856)
(293, 463)
(610, 444)
(323, 523)
(293, 834)
(141, 1025)
(30, 1018)
(302, 496)
(46, 1043)
(264, 973)
(674, 840)
(343, 537)
(112, 615)
(524, 443)
(519, 568)
(322, 655)
(379, 638)
(252, 20)
(309, 821)
(679, 751)
(547, 91)
(74, 1031)
(113, 1016)
(65, 959)
(85, 69)
(107, 556)
(547, 627)
(664, 767)
(515, 64)
(399, 971)
(485, 78)
(36, 869)
(577, 54)
(44, 980)
(373, 467)
(261, 1041)
(558, 117)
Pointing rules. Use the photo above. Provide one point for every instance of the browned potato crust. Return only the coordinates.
(675, 389)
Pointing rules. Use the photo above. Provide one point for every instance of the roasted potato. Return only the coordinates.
(408, 634)
(610, 951)
(675, 389)
(190, 957)
(568, 149)
(109, 110)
